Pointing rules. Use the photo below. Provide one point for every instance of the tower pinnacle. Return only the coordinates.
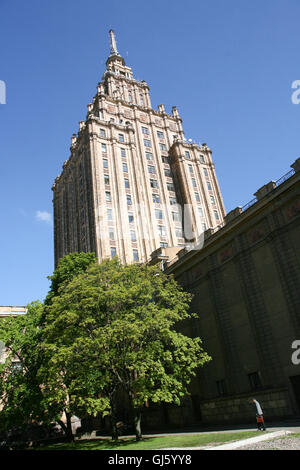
(113, 44)
(114, 54)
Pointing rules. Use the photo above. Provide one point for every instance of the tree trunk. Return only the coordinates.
(70, 436)
(67, 427)
(113, 421)
(137, 424)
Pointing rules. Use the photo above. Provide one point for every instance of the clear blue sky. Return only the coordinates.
(227, 65)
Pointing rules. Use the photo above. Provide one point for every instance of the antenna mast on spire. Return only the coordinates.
(113, 44)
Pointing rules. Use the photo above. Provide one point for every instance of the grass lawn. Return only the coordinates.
(151, 443)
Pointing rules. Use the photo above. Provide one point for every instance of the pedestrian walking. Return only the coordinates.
(259, 416)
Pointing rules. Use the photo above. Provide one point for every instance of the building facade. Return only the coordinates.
(245, 283)
(132, 183)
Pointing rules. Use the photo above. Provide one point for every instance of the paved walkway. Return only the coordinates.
(237, 444)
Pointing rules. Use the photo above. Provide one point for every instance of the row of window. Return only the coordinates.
(147, 143)
(149, 155)
(204, 170)
(108, 198)
(159, 134)
(145, 131)
(135, 253)
(194, 183)
(254, 383)
(105, 166)
(130, 99)
(188, 155)
(121, 138)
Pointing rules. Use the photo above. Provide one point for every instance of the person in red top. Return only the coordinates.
(259, 416)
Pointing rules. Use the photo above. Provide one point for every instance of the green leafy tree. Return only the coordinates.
(115, 328)
(22, 401)
(29, 368)
(68, 267)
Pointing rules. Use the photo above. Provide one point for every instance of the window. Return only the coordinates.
(147, 143)
(194, 182)
(202, 159)
(165, 159)
(113, 252)
(203, 227)
(105, 163)
(142, 100)
(125, 168)
(149, 156)
(103, 148)
(106, 179)
(123, 153)
(153, 183)
(121, 138)
(158, 214)
(126, 182)
(130, 97)
(173, 201)
(205, 171)
(102, 133)
(109, 214)
(221, 388)
(178, 232)
(163, 147)
(208, 186)
(130, 218)
(164, 244)
(132, 235)
(151, 169)
(187, 154)
(135, 255)
(170, 187)
(176, 217)
(160, 135)
(191, 168)
(111, 233)
(168, 172)
(197, 197)
(161, 230)
(108, 196)
(216, 215)
(212, 199)
(200, 211)
(156, 198)
(129, 201)
(254, 381)
(145, 130)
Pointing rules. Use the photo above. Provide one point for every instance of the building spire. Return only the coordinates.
(113, 44)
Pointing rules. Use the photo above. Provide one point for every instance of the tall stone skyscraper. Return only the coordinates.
(132, 177)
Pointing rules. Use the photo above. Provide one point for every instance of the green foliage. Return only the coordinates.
(21, 397)
(104, 328)
(114, 326)
(68, 267)
(24, 395)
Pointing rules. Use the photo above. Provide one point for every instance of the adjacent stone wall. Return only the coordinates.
(238, 409)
